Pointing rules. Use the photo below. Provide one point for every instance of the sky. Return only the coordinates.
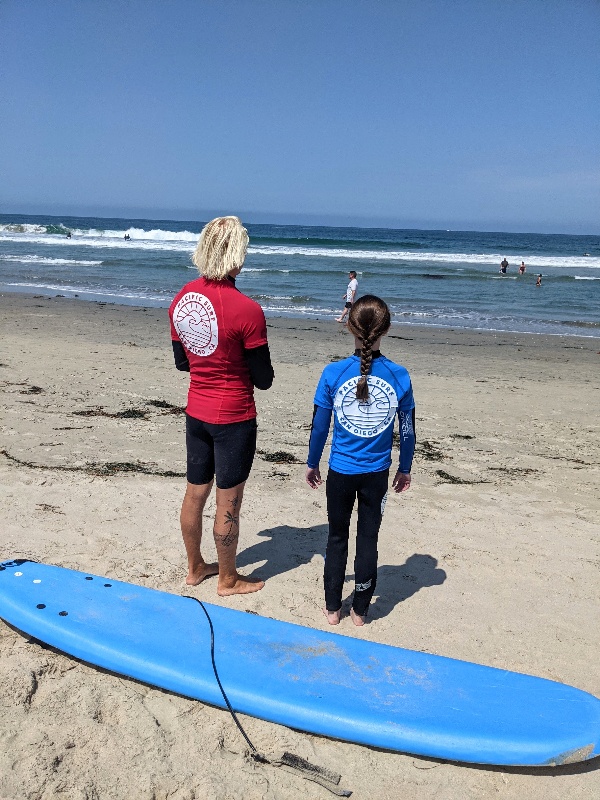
(469, 114)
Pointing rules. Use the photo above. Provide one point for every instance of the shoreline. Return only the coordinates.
(491, 557)
(5, 294)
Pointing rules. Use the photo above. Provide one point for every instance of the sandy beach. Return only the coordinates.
(492, 556)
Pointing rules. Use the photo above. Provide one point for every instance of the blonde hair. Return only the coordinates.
(221, 247)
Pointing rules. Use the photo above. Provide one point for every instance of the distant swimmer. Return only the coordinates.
(522, 268)
(503, 266)
(68, 234)
(127, 237)
(539, 280)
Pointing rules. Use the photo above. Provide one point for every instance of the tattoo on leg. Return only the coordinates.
(226, 539)
(231, 521)
(232, 534)
(235, 501)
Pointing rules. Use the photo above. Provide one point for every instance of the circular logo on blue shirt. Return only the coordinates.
(370, 417)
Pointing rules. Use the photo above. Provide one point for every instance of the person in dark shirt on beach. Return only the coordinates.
(503, 266)
(220, 337)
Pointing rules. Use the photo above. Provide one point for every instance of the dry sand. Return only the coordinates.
(492, 556)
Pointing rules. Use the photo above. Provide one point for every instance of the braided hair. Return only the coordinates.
(222, 247)
(368, 320)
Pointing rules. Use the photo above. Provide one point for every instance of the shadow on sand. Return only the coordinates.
(284, 548)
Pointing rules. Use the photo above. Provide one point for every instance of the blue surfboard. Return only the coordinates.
(311, 680)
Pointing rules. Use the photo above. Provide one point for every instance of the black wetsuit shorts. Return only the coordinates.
(226, 451)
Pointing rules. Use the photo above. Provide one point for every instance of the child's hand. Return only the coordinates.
(401, 482)
(313, 477)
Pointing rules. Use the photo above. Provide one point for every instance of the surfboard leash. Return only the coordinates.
(288, 761)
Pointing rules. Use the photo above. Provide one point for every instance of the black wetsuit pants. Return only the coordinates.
(342, 490)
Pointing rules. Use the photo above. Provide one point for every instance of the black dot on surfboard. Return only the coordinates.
(108, 585)
(2, 569)
(89, 579)
(63, 613)
(41, 605)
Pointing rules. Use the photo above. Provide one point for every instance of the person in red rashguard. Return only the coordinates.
(220, 336)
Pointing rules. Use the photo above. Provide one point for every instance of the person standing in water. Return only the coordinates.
(220, 336)
(503, 266)
(350, 295)
(365, 392)
(522, 268)
(539, 280)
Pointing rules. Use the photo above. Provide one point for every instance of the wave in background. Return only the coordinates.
(444, 278)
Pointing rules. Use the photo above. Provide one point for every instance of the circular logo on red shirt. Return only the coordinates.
(195, 321)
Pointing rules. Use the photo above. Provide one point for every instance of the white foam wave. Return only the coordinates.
(156, 234)
(33, 259)
(139, 239)
(261, 269)
(86, 290)
(585, 278)
(185, 241)
(585, 262)
(99, 242)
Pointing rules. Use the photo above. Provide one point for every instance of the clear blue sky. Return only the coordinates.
(472, 114)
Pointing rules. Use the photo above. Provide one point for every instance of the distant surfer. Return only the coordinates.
(503, 266)
(365, 393)
(127, 237)
(68, 234)
(539, 280)
(220, 336)
(522, 268)
(349, 295)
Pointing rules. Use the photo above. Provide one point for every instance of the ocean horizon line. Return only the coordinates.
(309, 221)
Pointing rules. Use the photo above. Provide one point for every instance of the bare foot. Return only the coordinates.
(195, 578)
(240, 585)
(333, 617)
(339, 320)
(356, 618)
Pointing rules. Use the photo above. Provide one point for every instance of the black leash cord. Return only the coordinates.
(255, 753)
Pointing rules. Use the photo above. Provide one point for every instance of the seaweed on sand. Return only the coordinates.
(105, 469)
(128, 413)
(448, 478)
(279, 457)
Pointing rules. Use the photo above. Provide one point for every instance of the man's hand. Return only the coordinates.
(401, 482)
(313, 477)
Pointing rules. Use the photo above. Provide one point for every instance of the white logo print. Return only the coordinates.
(406, 423)
(362, 587)
(366, 418)
(195, 321)
(383, 502)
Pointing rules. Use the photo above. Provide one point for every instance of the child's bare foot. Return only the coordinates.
(196, 577)
(333, 617)
(239, 585)
(357, 619)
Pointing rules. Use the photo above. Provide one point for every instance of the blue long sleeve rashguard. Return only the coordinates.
(363, 431)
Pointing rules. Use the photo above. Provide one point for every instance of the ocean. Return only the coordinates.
(440, 278)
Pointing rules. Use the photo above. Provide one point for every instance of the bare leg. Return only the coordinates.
(191, 530)
(227, 532)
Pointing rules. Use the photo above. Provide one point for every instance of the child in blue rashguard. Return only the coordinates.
(365, 393)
